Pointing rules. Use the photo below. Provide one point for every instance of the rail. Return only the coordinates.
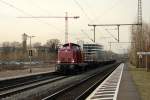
(109, 88)
(22, 87)
(66, 89)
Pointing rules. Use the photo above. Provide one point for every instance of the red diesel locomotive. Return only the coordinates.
(70, 59)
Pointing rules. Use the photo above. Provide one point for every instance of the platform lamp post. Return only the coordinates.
(30, 52)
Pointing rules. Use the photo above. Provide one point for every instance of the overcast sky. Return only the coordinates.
(90, 12)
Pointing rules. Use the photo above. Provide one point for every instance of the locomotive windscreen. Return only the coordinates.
(72, 44)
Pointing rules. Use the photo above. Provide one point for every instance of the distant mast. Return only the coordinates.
(24, 42)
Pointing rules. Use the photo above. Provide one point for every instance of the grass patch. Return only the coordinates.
(142, 81)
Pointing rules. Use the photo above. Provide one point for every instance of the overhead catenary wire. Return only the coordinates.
(12, 6)
(45, 10)
(87, 35)
(26, 13)
(82, 9)
(107, 11)
(111, 34)
(84, 12)
(39, 7)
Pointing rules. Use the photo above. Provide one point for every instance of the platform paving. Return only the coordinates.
(12, 74)
(127, 89)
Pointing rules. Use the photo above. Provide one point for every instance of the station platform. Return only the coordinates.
(127, 89)
(118, 86)
(13, 74)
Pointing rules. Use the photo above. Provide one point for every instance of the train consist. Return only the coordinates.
(73, 58)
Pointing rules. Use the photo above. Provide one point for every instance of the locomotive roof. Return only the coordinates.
(72, 44)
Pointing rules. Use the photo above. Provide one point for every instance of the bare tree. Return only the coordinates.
(37, 44)
(142, 43)
(15, 44)
(53, 43)
(5, 51)
(11, 51)
(6, 44)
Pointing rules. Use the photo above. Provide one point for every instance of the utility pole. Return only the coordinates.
(30, 52)
(94, 26)
(24, 45)
(139, 19)
(139, 28)
(110, 53)
(118, 27)
(118, 32)
(94, 31)
(66, 17)
(66, 28)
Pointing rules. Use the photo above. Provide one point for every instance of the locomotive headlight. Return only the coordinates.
(58, 61)
(72, 61)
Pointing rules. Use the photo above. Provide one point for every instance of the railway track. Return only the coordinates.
(9, 89)
(21, 82)
(10, 82)
(82, 88)
(51, 83)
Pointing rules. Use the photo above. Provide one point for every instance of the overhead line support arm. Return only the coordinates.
(118, 27)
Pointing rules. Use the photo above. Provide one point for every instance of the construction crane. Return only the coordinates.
(64, 17)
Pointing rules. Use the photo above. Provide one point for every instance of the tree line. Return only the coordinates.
(140, 43)
(14, 50)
